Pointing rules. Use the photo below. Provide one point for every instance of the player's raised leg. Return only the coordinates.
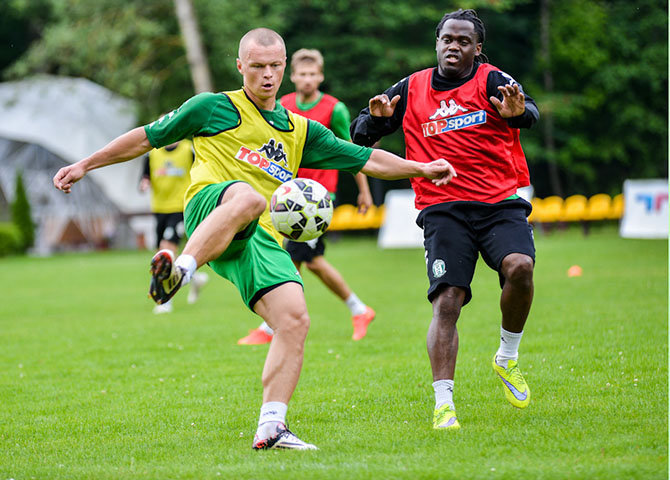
(240, 205)
(285, 310)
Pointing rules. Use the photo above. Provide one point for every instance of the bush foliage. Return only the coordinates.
(21, 215)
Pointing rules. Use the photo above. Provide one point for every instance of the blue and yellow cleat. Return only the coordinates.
(516, 389)
(444, 418)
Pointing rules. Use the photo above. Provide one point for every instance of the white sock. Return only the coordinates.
(509, 347)
(188, 263)
(272, 413)
(355, 305)
(266, 328)
(444, 392)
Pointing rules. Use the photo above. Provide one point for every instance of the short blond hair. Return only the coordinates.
(262, 36)
(306, 55)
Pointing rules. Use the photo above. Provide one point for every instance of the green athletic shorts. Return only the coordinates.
(254, 262)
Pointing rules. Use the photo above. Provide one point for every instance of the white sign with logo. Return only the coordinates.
(399, 229)
(645, 209)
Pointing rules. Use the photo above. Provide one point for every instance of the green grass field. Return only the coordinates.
(93, 385)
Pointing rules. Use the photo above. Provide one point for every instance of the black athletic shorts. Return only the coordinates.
(455, 233)
(305, 251)
(170, 227)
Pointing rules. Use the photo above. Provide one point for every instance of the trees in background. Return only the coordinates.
(600, 76)
(609, 102)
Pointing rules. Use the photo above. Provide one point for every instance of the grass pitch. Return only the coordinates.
(93, 385)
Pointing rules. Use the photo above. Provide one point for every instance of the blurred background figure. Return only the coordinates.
(166, 174)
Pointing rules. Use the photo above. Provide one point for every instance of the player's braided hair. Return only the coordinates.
(470, 16)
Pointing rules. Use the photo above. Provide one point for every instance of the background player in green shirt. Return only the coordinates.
(245, 145)
(310, 102)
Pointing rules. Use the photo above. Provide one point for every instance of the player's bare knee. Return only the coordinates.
(518, 270)
(447, 305)
(249, 204)
(295, 324)
(301, 323)
(254, 203)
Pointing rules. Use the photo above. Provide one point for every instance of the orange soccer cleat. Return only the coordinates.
(257, 336)
(361, 323)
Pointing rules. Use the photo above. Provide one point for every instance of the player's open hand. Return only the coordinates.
(514, 101)
(440, 171)
(381, 106)
(68, 176)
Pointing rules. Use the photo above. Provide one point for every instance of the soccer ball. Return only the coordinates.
(301, 209)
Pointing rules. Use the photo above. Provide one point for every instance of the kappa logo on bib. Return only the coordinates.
(447, 110)
(274, 152)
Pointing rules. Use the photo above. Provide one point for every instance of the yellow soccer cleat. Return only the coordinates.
(444, 418)
(516, 389)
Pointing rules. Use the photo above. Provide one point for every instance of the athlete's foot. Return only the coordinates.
(516, 389)
(281, 438)
(444, 418)
(257, 336)
(361, 323)
(165, 277)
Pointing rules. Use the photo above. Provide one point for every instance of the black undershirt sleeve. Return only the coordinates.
(366, 129)
(528, 118)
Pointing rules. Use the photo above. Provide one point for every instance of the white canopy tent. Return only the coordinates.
(47, 122)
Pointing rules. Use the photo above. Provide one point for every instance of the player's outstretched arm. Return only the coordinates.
(130, 145)
(387, 166)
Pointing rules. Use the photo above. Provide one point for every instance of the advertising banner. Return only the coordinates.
(645, 209)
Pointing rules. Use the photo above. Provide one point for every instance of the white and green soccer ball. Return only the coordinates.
(301, 209)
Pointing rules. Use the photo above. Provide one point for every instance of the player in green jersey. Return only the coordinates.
(246, 144)
(310, 102)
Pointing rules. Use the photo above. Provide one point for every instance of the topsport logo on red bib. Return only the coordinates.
(437, 127)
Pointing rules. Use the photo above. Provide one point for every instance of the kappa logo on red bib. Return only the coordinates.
(255, 158)
(446, 109)
(437, 127)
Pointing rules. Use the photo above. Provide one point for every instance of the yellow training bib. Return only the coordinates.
(170, 177)
(254, 151)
